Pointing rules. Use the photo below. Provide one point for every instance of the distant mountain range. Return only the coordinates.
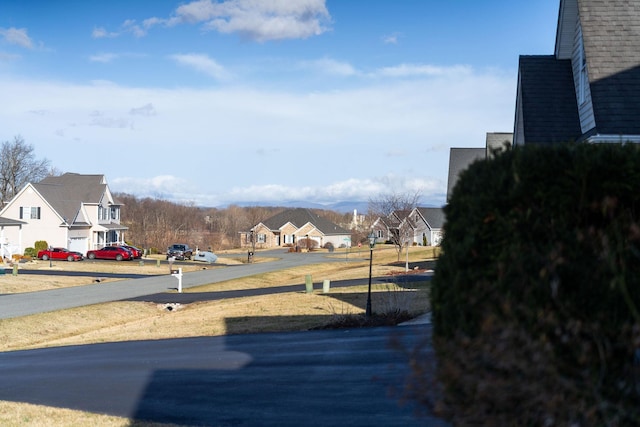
(342, 207)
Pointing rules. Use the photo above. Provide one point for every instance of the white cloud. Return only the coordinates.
(101, 32)
(258, 20)
(203, 64)
(420, 70)
(225, 144)
(391, 38)
(145, 110)
(331, 67)
(17, 36)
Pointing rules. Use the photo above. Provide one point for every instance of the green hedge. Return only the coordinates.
(536, 295)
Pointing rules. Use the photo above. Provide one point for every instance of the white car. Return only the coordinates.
(205, 256)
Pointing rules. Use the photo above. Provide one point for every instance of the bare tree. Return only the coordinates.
(395, 208)
(19, 166)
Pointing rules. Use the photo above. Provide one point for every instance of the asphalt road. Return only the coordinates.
(315, 378)
(16, 305)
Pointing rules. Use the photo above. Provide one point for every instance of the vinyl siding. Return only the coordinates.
(585, 109)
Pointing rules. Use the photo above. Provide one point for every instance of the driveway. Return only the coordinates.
(316, 378)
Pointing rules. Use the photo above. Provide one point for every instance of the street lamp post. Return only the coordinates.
(372, 243)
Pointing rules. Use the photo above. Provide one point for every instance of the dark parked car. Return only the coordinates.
(137, 253)
(60, 253)
(110, 252)
(179, 251)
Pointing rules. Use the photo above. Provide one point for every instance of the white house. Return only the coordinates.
(72, 210)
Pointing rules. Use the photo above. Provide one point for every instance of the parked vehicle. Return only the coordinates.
(60, 253)
(179, 251)
(205, 256)
(137, 253)
(110, 252)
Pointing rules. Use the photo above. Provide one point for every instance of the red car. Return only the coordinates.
(59, 253)
(137, 253)
(110, 252)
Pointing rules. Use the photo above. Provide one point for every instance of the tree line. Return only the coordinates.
(155, 224)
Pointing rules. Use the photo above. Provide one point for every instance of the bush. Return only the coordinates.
(536, 295)
(40, 245)
(31, 252)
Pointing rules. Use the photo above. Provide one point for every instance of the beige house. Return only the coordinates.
(292, 228)
(74, 211)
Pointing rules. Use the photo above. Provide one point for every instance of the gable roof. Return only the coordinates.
(497, 141)
(67, 193)
(459, 160)
(547, 110)
(433, 216)
(611, 38)
(299, 217)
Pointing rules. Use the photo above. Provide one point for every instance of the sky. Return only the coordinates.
(217, 102)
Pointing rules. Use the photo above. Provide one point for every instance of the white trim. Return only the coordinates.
(613, 139)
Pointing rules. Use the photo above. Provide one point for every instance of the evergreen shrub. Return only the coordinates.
(31, 252)
(536, 295)
(40, 245)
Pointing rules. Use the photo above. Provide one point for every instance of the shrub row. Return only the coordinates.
(536, 295)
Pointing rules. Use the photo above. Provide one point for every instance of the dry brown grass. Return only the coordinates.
(10, 284)
(124, 321)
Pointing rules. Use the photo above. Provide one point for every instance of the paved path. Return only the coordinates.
(16, 305)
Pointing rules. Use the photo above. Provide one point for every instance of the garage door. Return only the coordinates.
(78, 244)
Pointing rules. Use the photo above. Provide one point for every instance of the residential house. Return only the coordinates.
(71, 210)
(292, 228)
(428, 226)
(420, 226)
(461, 158)
(389, 228)
(589, 89)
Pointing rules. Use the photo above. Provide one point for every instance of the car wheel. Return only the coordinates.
(92, 256)
(45, 257)
(118, 257)
(70, 258)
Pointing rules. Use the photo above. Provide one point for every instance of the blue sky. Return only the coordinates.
(235, 101)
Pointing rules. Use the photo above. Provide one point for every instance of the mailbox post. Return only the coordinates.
(178, 274)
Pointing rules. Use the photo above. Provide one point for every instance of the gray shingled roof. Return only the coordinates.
(299, 217)
(433, 216)
(548, 100)
(66, 193)
(497, 140)
(459, 160)
(8, 222)
(611, 36)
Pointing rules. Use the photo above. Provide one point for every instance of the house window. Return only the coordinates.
(27, 212)
(115, 212)
(380, 234)
(262, 238)
(582, 78)
(288, 238)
